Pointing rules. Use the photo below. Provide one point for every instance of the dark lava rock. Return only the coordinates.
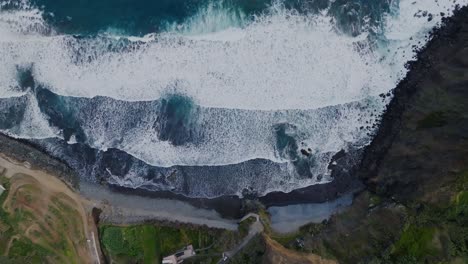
(421, 134)
(413, 163)
(24, 152)
(305, 153)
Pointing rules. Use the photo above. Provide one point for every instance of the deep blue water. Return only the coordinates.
(140, 17)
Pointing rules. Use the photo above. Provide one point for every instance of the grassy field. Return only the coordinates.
(38, 227)
(149, 243)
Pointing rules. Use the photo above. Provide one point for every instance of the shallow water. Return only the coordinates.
(287, 219)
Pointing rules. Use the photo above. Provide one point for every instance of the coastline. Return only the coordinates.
(415, 171)
(229, 207)
(121, 208)
(128, 209)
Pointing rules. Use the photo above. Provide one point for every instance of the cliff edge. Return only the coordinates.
(414, 208)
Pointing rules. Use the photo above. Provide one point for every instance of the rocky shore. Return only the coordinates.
(34, 158)
(413, 208)
(231, 207)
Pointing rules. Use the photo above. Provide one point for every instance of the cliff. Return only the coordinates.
(414, 208)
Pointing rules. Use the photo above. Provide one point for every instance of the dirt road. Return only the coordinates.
(51, 187)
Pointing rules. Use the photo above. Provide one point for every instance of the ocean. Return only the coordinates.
(205, 98)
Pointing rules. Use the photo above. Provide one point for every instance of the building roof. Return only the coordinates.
(180, 255)
(170, 260)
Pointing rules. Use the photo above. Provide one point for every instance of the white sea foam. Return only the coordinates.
(34, 124)
(282, 60)
(226, 137)
(281, 55)
(212, 17)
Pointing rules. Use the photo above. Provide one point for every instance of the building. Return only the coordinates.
(179, 257)
(170, 260)
(2, 189)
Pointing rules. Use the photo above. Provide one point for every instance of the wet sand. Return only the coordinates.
(120, 208)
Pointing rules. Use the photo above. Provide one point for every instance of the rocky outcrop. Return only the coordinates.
(423, 138)
(414, 206)
(22, 151)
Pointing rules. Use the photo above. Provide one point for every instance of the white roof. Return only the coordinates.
(170, 260)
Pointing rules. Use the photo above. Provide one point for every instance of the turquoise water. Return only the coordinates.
(133, 17)
(140, 17)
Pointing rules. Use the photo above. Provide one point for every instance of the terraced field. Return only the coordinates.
(40, 223)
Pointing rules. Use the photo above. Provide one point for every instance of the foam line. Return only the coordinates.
(267, 87)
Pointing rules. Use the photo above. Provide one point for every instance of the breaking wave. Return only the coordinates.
(276, 89)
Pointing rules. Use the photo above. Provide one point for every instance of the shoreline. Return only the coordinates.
(120, 208)
(229, 207)
(123, 208)
(123, 212)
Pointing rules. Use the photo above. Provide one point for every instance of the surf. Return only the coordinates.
(278, 89)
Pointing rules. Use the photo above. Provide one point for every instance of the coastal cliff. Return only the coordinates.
(414, 207)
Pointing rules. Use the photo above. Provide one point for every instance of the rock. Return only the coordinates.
(305, 153)
(409, 167)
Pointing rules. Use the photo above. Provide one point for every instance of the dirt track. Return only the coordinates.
(48, 189)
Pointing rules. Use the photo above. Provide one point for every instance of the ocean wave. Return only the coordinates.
(282, 85)
(283, 54)
(188, 134)
(279, 55)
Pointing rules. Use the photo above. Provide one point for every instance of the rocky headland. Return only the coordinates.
(414, 205)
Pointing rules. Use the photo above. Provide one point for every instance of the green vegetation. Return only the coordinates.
(23, 248)
(6, 183)
(287, 240)
(374, 200)
(416, 242)
(36, 230)
(16, 246)
(6, 229)
(149, 243)
(136, 242)
(429, 230)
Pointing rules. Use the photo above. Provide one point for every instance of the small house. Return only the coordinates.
(180, 255)
(2, 189)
